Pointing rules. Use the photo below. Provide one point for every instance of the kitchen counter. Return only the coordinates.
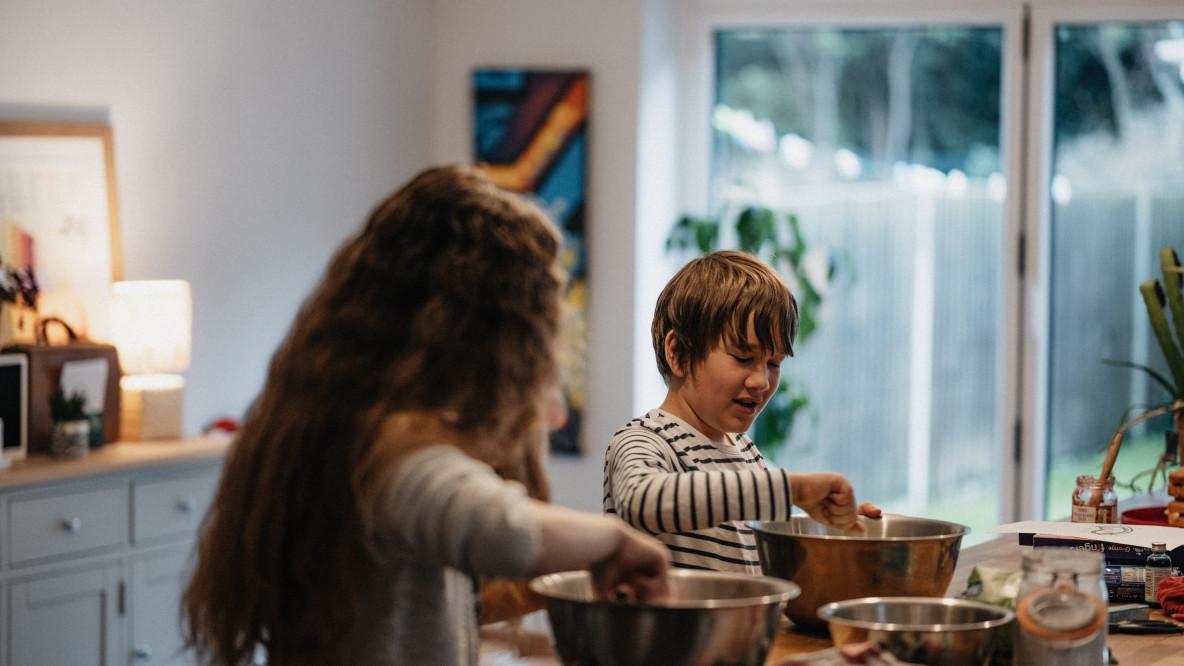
(111, 458)
(530, 641)
(1005, 552)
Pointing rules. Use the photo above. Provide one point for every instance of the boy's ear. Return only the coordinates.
(670, 348)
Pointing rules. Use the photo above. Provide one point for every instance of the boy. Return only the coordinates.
(686, 472)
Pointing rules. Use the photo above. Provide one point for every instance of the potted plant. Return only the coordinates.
(71, 428)
(1165, 311)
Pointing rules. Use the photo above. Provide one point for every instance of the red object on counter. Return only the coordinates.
(223, 425)
(1148, 515)
(1170, 595)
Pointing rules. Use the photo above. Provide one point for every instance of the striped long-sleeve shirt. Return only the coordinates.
(664, 477)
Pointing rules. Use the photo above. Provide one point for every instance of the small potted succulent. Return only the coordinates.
(71, 428)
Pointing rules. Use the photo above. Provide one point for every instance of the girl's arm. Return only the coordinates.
(616, 554)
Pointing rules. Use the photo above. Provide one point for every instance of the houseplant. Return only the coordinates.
(776, 238)
(1165, 311)
(71, 428)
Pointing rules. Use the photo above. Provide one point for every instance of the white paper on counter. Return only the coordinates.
(1131, 535)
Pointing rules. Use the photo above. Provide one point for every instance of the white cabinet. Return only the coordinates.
(94, 554)
(156, 584)
(68, 618)
(60, 524)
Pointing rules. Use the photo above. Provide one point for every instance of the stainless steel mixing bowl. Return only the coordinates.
(897, 556)
(920, 630)
(711, 618)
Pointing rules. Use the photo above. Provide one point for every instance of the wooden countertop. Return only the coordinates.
(529, 638)
(112, 458)
(1006, 553)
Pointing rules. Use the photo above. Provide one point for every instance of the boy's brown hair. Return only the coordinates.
(711, 299)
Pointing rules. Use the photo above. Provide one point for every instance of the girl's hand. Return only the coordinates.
(637, 567)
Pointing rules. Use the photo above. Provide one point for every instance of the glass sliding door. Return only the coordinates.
(974, 192)
(886, 146)
(1112, 195)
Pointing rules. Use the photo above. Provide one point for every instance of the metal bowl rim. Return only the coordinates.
(758, 526)
(826, 613)
(789, 590)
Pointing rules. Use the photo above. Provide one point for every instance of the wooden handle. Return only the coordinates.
(1096, 497)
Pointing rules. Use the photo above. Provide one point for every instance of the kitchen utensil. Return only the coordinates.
(895, 556)
(920, 630)
(711, 618)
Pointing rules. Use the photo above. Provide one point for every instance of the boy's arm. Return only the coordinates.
(649, 493)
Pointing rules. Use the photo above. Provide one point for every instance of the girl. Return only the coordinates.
(360, 503)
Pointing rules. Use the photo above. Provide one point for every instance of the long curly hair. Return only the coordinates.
(446, 302)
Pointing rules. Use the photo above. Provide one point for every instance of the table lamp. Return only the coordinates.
(150, 325)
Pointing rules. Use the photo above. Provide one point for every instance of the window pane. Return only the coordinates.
(885, 146)
(1117, 198)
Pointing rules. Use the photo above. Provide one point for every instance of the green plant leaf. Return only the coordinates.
(1173, 285)
(64, 408)
(1163, 381)
(1153, 297)
(755, 228)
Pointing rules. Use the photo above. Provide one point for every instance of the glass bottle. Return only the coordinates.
(1159, 566)
(1061, 608)
(1107, 509)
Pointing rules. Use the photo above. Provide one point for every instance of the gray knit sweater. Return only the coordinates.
(451, 518)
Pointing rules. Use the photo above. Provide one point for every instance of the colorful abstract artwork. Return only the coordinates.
(530, 136)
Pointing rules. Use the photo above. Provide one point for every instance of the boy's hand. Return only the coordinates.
(828, 498)
(870, 510)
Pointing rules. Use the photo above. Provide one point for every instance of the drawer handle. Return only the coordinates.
(71, 525)
(185, 506)
(143, 652)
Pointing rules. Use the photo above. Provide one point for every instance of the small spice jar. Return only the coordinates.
(1106, 510)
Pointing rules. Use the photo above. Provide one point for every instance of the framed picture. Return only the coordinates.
(530, 136)
(59, 217)
(14, 406)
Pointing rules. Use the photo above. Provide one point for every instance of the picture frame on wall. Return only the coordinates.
(14, 406)
(59, 220)
(530, 136)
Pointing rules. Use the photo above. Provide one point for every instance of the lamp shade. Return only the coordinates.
(151, 325)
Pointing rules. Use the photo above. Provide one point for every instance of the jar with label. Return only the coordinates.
(1106, 510)
(1061, 608)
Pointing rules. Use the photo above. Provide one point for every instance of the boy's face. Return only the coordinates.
(728, 389)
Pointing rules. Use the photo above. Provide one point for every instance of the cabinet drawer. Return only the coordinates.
(63, 523)
(171, 506)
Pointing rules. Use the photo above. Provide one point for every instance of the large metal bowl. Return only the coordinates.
(711, 618)
(920, 630)
(896, 556)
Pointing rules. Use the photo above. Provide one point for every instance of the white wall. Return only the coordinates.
(250, 138)
(604, 37)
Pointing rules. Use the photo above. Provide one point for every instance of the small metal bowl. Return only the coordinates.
(895, 556)
(920, 630)
(711, 618)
